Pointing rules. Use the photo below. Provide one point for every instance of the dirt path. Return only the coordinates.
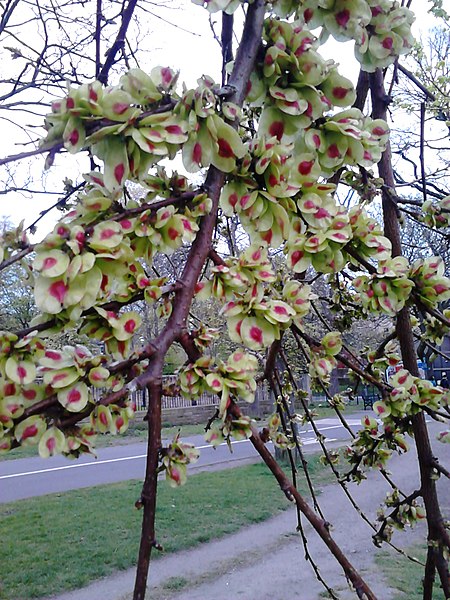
(266, 561)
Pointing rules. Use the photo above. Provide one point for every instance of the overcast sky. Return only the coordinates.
(191, 48)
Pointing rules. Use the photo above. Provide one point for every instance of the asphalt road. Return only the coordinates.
(28, 477)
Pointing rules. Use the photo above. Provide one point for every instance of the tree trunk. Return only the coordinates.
(437, 536)
(148, 496)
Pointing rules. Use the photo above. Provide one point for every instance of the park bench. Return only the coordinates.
(369, 397)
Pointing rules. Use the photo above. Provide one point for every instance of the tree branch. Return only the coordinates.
(118, 42)
(176, 323)
(149, 490)
(320, 526)
(436, 531)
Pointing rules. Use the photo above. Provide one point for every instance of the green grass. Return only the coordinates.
(63, 541)
(323, 410)
(404, 575)
(175, 584)
(137, 432)
(186, 430)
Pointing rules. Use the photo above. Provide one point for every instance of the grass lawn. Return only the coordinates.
(137, 432)
(323, 410)
(62, 541)
(404, 575)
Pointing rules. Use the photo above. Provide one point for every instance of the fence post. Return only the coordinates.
(305, 385)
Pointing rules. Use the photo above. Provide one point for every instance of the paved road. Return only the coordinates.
(28, 477)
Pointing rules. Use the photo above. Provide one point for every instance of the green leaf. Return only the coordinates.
(61, 378)
(30, 431)
(20, 371)
(75, 398)
(74, 135)
(52, 442)
(51, 263)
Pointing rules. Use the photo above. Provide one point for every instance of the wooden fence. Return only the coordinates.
(139, 399)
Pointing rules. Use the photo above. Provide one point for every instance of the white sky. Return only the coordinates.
(193, 55)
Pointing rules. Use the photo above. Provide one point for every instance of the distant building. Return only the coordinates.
(440, 365)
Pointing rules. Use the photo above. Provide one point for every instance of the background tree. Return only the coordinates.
(270, 147)
(17, 306)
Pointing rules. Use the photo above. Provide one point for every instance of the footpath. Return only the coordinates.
(266, 561)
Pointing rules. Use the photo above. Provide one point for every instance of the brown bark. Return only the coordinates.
(176, 324)
(118, 43)
(436, 532)
(320, 525)
(149, 490)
